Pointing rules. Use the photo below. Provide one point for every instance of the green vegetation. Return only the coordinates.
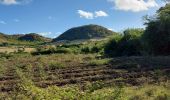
(121, 67)
(34, 37)
(83, 77)
(127, 45)
(157, 34)
(85, 32)
(31, 39)
(155, 40)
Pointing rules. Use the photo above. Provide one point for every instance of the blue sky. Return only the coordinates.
(52, 17)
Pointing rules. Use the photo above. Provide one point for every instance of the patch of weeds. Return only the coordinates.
(118, 93)
(158, 73)
(99, 62)
(136, 97)
(2, 70)
(6, 55)
(149, 93)
(162, 97)
(41, 71)
(95, 86)
(55, 65)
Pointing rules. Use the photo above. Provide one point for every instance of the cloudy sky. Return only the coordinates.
(52, 17)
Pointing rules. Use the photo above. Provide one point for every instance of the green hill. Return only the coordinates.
(34, 37)
(84, 32)
(21, 39)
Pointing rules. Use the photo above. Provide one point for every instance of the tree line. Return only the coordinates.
(154, 40)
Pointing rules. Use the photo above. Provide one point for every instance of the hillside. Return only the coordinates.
(3, 37)
(21, 39)
(34, 37)
(84, 32)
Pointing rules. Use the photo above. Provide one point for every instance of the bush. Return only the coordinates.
(63, 50)
(95, 49)
(6, 55)
(95, 86)
(52, 51)
(128, 45)
(85, 50)
(110, 48)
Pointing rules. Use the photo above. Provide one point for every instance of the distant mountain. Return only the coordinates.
(21, 38)
(15, 36)
(34, 37)
(84, 32)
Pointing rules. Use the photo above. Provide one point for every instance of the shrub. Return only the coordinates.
(128, 45)
(95, 86)
(52, 51)
(95, 49)
(63, 50)
(6, 55)
(111, 46)
(85, 50)
(162, 97)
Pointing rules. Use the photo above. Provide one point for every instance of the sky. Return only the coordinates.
(50, 18)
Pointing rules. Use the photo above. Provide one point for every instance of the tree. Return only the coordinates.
(128, 45)
(157, 34)
(110, 48)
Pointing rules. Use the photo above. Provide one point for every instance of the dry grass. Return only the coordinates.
(14, 49)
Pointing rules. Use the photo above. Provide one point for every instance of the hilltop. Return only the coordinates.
(85, 32)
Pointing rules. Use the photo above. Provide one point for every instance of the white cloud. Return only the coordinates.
(14, 2)
(85, 14)
(2, 22)
(134, 5)
(91, 15)
(100, 14)
(8, 2)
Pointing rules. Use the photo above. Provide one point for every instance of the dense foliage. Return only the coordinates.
(154, 41)
(127, 45)
(85, 32)
(157, 34)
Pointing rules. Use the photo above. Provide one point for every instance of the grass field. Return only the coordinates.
(84, 77)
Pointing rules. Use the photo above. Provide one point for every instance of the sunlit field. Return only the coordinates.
(79, 50)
